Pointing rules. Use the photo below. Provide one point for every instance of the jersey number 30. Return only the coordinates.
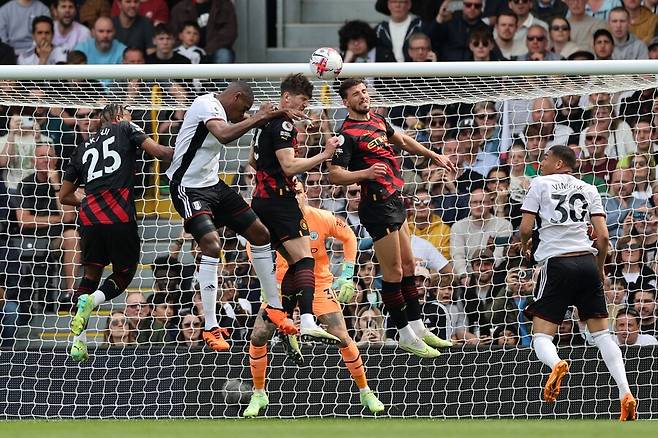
(571, 212)
(94, 154)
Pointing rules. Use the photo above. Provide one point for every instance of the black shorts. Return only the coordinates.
(118, 244)
(224, 205)
(568, 281)
(282, 217)
(382, 217)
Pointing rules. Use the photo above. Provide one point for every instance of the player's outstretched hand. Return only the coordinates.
(377, 170)
(330, 147)
(443, 161)
(345, 290)
(295, 115)
(526, 250)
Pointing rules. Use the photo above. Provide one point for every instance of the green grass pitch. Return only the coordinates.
(321, 428)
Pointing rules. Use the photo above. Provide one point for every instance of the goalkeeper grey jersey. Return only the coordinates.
(563, 205)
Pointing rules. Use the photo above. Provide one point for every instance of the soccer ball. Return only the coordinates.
(326, 63)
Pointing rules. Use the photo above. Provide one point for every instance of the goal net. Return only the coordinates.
(493, 120)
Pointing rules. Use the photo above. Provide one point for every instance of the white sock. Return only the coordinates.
(613, 359)
(261, 257)
(407, 334)
(99, 298)
(81, 337)
(418, 327)
(207, 278)
(307, 321)
(259, 391)
(545, 349)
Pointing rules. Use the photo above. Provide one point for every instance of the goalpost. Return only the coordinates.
(146, 359)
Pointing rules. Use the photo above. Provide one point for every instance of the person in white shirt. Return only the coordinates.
(522, 10)
(394, 33)
(544, 112)
(571, 269)
(68, 32)
(43, 50)
(627, 327)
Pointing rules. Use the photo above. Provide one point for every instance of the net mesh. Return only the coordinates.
(146, 351)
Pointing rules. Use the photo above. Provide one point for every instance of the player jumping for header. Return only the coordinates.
(571, 270)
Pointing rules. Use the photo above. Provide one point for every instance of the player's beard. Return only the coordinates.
(361, 109)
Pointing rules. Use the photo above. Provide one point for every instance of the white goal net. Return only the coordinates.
(494, 121)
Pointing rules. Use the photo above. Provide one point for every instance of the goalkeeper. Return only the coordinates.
(326, 306)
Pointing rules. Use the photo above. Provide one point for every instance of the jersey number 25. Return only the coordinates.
(94, 155)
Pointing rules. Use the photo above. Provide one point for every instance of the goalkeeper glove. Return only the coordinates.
(344, 284)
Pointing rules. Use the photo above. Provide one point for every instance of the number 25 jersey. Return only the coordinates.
(105, 166)
(563, 205)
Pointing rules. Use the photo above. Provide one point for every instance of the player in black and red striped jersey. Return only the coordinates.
(274, 156)
(365, 155)
(105, 165)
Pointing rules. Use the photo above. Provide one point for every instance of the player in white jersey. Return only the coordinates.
(206, 203)
(571, 270)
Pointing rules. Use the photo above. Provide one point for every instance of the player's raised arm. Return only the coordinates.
(158, 151)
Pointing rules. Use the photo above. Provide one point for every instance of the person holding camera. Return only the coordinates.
(511, 300)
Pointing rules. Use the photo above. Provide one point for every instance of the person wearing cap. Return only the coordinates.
(472, 234)
(643, 22)
(627, 328)
(582, 24)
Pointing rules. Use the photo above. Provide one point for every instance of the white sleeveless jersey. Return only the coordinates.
(563, 205)
(196, 157)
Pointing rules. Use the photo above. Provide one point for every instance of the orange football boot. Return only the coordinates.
(628, 408)
(280, 319)
(552, 388)
(214, 339)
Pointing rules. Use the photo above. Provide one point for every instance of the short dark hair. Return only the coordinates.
(347, 84)
(297, 84)
(356, 29)
(110, 112)
(163, 29)
(508, 13)
(76, 57)
(566, 154)
(481, 34)
(190, 23)
(131, 49)
(57, 2)
(603, 32)
(42, 19)
(628, 311)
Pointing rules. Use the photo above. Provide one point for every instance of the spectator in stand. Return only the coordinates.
(616, 298)
(545, 10)
(642, 133)
(525, 19)
(627, 328)
(91, 10)
(620, 134)
(505, 336)
(42, 52)
(15, 19)
(471, 154)
(653, 48)
(645, 176)
(630, 265)
(68, 32)
(102, 48)
(450, 31)
(604, 44)
(137, 312)
(620, 203)
(217, 21)
(118, 332)
(537, 45)
(486, 119)
(457, 326)
(642, 20)
(156, 11)
(353, 197)
(189, 329)
(519, 181)
(163, 39)
(595, 165)
(644, 303)
(471, 235)
(568, 333)
(7, 54)
(627, 46)
(369, 326)
(189, 38)
(569, 112)
(638, 105)
(483, 47)
(423, 223)
(479, 294)
(508, 305)
(358, 43)
(161, 319)
(394, 33)
(132, 29)
(420, 48)
(601, 9)
(506, 26)
(582, 25)
(560, 36)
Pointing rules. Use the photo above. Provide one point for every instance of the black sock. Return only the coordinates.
(305, 284)
(394, 302)
(410, 294)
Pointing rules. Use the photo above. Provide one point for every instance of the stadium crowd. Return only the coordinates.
(474, 281)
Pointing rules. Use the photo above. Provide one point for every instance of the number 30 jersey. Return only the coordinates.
(563, 205)
(105, 165)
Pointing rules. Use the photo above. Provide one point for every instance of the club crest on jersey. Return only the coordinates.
(303, 225)
(196, 205)
(377, 143)
(287, 125)
(314, 235)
